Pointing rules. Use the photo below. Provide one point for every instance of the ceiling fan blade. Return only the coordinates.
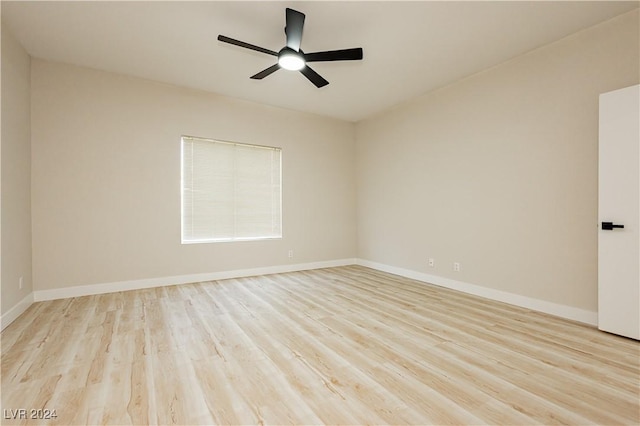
(230, 40)
(293, 28)
(314, 77)
(262, 74)
(354, 54)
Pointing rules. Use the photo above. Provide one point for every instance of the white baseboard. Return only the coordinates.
(563, 311)
(88, 290)
(16, 311)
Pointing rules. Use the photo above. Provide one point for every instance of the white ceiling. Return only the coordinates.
(410, 48)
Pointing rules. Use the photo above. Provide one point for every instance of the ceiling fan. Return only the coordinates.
(291, 57)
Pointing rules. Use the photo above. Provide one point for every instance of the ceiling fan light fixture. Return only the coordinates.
(291, 57)
(291, 60)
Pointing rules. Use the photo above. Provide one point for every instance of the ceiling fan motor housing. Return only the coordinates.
(291, 60)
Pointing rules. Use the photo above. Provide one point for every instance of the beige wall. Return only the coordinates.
(499, 171)
(106, 179)
(16, 173)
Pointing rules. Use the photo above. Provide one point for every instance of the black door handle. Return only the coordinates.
(608, 226)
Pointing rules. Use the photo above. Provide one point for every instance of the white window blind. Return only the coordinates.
(230, 191)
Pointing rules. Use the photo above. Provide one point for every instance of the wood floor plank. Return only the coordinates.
(347, 345)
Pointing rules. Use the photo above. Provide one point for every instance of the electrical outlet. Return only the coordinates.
(20, 282)
(432, 262)
(290, 254)
(456, 266)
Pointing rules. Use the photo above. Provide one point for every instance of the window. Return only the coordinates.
(230, 191)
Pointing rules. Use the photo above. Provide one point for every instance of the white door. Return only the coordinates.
(619, 205)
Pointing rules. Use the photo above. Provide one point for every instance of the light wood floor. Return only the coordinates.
(342, 345)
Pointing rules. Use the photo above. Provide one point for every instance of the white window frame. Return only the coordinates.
(182, 194)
